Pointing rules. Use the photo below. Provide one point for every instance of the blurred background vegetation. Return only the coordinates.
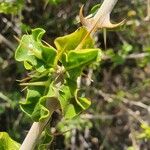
(119, 86)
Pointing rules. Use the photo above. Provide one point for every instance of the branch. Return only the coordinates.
(99, 21)
(106, 8)
(33, 135)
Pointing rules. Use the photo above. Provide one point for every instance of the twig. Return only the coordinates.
(136, 56)
(84, 144)
(73, 139)
(140, 104)
(102, 117)
(8, 43)
(132, 135)
(147, 18)
(5, 98)
(109, 98)
(133, 114)
(131, 56)
(105, 140)
(9, 24)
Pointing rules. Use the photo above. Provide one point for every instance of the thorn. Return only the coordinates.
(23, 80)
(105, 37)
(16, 38)
(86, 76)
(24, 89)
(100, 21)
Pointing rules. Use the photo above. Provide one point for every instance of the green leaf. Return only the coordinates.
(146, 131)
(126, 49)
(40, 102)
(80, 58)
(71, 105)
(31, 106)
(48, 55)
(83, 102)
(76, 60)
(11, 7)
(70, 112)
(6, 143)
(76, 107)
(74, 63)
(27, 65)
(118, 60)
(78, 122)
(45, 140)
(49, 103)
(64, 97)
(33, 53)
(71, 41)
(95, 9)
(130, 148)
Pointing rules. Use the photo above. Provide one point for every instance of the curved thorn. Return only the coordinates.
(82, 18)
(116, 25)
(110, 25)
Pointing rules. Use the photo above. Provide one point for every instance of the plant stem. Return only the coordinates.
(106, 8)
(33, 135)
(37, 128)
(100, 17)
(147, 18)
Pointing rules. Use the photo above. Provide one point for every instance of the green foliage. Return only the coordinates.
(120, 57)
(55, 74)
(128, 81)
(76, 123)
(8, 102)
(6, 143)
(143, 62)
(46, 140)
(12, 7)
(146, 131)
(76, 60)
(33, 53)
(41, 58)
(130, 148)
(95, 9)
(71, 41)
